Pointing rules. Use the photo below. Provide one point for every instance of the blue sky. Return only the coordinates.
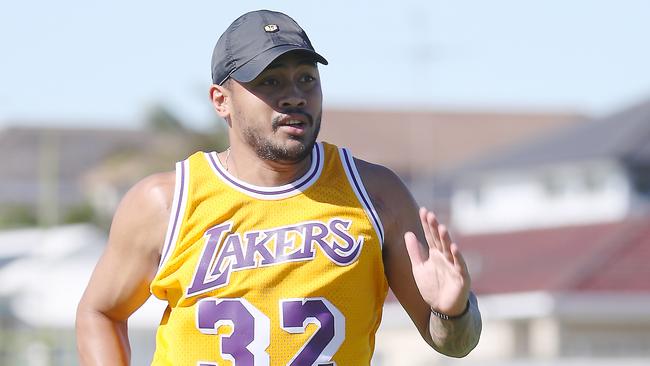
(101, 63)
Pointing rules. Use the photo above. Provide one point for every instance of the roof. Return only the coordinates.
(425, 142)
(418, 143)
(27, 154)
(610, 257)
(623, 136)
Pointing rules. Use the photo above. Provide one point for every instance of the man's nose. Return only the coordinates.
(293, 98)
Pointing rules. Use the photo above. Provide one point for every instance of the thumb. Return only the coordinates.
(413, 248)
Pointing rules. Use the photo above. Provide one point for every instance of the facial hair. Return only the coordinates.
(267, 149)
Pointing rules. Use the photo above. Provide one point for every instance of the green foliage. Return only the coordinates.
(16, 216)
(213, 138)
(20, 216)
(160, 118)
(83, 212)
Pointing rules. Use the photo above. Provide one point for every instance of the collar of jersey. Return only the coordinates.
(271, 193)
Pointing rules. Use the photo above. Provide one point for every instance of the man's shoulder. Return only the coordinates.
(386, 189)
(376, 178)
(376, 174)
(366, 169)
(156, 186)
(142, 216)
(151, 195)
(390, 196)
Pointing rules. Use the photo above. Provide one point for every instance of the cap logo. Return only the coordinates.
(271, 28)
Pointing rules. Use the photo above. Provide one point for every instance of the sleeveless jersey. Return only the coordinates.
(288, 275)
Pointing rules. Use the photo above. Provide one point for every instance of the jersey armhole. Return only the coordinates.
(347, 160)
(177, 211)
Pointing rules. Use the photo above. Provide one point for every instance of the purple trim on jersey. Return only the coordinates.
(270, 192)
(363, 197)
(178, 211)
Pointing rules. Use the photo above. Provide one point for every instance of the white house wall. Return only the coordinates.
(558, 195)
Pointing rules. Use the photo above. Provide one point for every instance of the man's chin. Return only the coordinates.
(294, 154)
(292, 151)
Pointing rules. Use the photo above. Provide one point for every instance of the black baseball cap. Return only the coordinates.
(253, 41)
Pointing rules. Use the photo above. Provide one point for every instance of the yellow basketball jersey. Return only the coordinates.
(289, 275)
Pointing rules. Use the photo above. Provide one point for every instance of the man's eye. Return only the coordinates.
(308, 78)
(270, 82)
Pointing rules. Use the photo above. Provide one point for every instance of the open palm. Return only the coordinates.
(440, 272)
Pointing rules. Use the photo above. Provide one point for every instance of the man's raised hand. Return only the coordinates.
(439, 269)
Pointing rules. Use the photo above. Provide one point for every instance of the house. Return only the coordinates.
(48, 173)
(36, 319)
(43, 272)
(556, 234)
(418, 143)
(592, 172)
(567, 292)
(572, 295)
(43, 169)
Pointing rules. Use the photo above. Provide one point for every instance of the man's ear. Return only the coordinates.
(220, 97)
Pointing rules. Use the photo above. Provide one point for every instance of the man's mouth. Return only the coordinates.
(293, 127)
(292, 122)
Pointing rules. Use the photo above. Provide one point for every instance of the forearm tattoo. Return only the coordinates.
(457, 337)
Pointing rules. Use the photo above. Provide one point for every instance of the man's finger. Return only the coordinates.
(445, 240)
(459, 260)
(434, 224)
(430, 230)
(413, 249)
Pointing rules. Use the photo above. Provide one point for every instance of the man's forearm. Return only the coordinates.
(457, 337)
(100, 340)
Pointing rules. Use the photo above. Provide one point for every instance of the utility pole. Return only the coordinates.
(48, 179)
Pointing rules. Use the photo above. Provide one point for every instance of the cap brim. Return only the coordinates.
(257, 64)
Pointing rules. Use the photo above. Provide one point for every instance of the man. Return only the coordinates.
(280, 250)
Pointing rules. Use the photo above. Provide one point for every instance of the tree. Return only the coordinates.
(160, 118)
